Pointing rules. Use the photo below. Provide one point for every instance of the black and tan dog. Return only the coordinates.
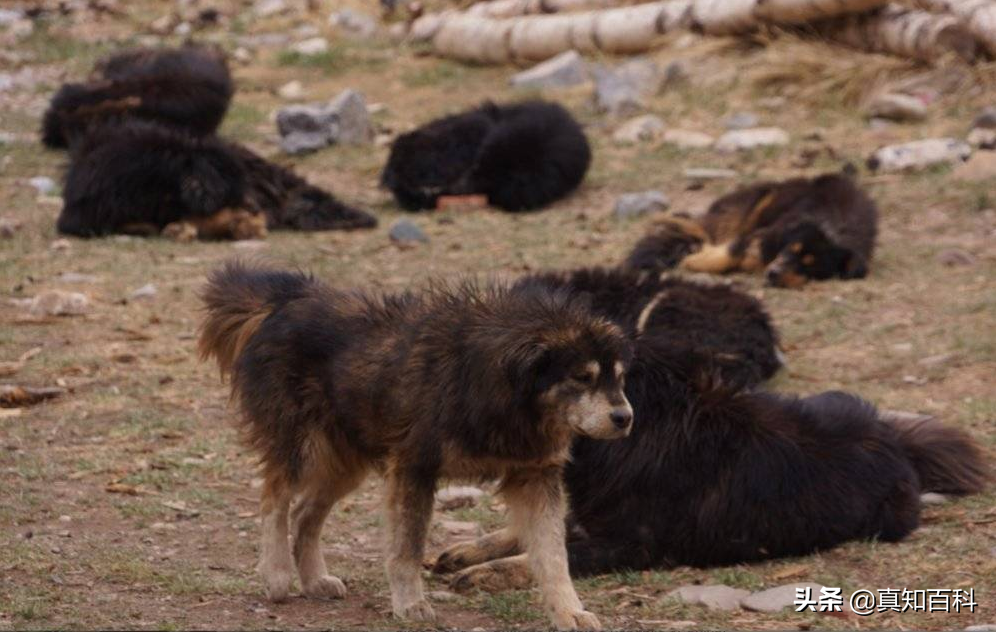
(714, 475)
(794, 230)
(188, 88)
(480, 382)
(140, 177)
(520, 156)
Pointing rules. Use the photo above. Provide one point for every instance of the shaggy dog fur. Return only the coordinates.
(521, 156)
(716, 475)
(795, 230)
(188, 88)
(468, 382)
(727, 329)
(140, 177)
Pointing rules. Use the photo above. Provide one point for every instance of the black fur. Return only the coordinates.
(521, 156)
(138, 172)
(188, 88)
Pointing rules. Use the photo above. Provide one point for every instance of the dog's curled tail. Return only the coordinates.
(946, 459)
(238, 298)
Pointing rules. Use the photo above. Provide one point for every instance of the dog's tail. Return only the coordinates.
(946, 459)
(675, 239)
(238, 298)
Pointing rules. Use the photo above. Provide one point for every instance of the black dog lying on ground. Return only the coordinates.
(140, 177)
(715, 475)
(521, 156)
(795, 230)
(188, 88)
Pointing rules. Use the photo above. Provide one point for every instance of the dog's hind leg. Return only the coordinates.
(536, 507)
(499, 544)
(408, 508)
(307, 518)
(275, 564)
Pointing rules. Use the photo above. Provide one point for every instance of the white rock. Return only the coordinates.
(701, 174)
(630, 205)
(10, 16)
(688, 139)
(146, 291)
(443, 596)
(76, 277)
(919, 154)
(897, 107)
(242, 55)
(933, 498)
(641, 128)
(566, 69)
(775, 599)
(714, 597)
(250, 244)
(59, 303)
(740, 120)
(743, 139)
(43, 184)
(291, 91)
(267, 8)
(312, 46)
(354, 23)
(183, 29)
(982, 138)
(456, 496)
(985, 627)
(60, 244)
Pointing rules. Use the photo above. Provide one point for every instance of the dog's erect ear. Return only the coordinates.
(854, 267)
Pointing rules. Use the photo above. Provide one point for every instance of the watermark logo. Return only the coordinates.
(864, 602)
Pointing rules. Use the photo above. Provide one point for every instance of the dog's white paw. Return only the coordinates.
(418, 611)
(579, 620)
(277, 585)
(325, 587)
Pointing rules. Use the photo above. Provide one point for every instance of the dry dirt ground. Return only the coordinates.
(144, 417)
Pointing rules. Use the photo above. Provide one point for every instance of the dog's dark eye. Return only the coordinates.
(586, 378)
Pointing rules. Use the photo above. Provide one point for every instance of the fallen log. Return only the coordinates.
(731, 17)
(977, 16)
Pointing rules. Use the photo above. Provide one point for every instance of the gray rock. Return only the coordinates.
(740, 120)
(10, 16)
(676, 73)
(933, 498)
(443, 596)
(743, 139)
(354, 23)
(986, 118)
(952, 257)
(624, 89)
(714, 597)
(43, 184)
(267, 8)
(405, 231)
(311, 46)
(630, 205)
(146, 291)
(242, 55)
(566, 69)
(897, 107)
(59, 303)
(76, 277)
(457, 496)
(877, 124)
(775, 599)
(305, 128)
(702, 174)
(688, 139)
(919, 154)
(641, 128)
(183, 29)
(985, 627)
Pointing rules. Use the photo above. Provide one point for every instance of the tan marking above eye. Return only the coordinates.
(796, 247)
(809, 260)
(619, 369)
(589, 373)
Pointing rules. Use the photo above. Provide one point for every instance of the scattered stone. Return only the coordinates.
(743, 139)
(461, 528)
(642, 128)
(457, 496)
(877, 124)
(353, 23)
(982, 138)
(405, 232)
(311, 46)
(8, 227)
(60, 244)
(985, 627)
(933, 498)
(676, 73)
(706, 173)
(183, 29)
(952, 257)
(566, 69)
(43, 184)
(267, 8)
(688, 139)
(291, 91)
(146, 291)
(305, 128)
(774, 599)
(242, 55)
(903, 416)
(740, 120)
(980, 167)
(629, 205)
(936, 360)
(59, 303)
(250, 244)
(623, 90)
(986, 118)
(919, 154)
(10, 16)
(76, 277)
(897, 107)
(443, 596)
(714, 597)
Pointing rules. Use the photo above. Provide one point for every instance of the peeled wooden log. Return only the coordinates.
(904, 32)
(531, 38)
(512, 8)
(978, 16)
(728, 17)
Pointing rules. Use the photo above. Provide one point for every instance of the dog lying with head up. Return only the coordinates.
(714, 474)
(794, 230)
(471, 381)
(187, 88)
(142, 178)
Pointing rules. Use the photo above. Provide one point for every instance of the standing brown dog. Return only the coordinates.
(472, 382)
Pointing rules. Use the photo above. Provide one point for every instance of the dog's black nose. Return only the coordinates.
(621, 417)
(773, 277)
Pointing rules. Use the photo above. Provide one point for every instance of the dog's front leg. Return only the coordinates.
(536, 507)
(408, 509)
